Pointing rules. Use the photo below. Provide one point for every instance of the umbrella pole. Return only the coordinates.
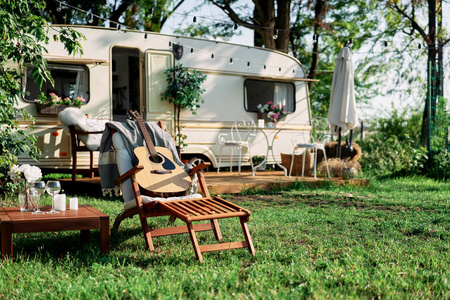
(339, 143)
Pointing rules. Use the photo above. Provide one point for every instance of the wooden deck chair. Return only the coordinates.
(190, 209)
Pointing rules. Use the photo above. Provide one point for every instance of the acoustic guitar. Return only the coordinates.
(161, 177)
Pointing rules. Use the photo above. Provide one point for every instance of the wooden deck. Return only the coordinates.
(223, 183)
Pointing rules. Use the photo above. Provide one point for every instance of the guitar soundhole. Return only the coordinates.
(155, 159)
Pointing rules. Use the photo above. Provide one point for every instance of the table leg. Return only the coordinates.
(105, 235)
(85, 236)
(273, 154)
(6, 236)
(265, 157)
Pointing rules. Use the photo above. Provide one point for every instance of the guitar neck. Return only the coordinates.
(148, 140)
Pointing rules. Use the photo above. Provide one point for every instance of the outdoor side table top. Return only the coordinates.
(12, 220)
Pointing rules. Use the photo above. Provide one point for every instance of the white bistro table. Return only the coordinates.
(265, 130)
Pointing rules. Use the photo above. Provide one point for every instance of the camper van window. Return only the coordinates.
(70, 81)
(260, 92)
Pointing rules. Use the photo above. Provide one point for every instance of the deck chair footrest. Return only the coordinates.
(179, 229)
(223, 246)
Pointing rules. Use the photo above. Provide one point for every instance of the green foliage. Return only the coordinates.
(393, 146)
(439, 167)
(441, 123)
(23, 39)
(184, 91)
(392, 156)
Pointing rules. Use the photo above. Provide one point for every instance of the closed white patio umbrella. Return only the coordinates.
(342, 114)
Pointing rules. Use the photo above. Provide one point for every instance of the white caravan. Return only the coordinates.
(124, 69)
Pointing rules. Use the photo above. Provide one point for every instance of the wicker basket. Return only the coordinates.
(298, 161)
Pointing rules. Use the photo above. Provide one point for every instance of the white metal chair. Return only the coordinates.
(242, 132)
(314, 139)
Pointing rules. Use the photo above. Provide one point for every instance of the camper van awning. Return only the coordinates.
(74, 60)
(281, 78)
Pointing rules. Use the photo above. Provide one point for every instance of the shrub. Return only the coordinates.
(439, 167)
(392, 156)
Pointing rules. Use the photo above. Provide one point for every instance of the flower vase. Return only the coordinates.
(27, 200)
(271, 124)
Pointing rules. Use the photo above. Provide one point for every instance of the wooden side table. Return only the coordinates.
(12, 220)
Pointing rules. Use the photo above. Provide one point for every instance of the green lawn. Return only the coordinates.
(387, 240)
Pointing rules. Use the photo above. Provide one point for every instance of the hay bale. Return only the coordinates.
(346, 154)
(337, 167)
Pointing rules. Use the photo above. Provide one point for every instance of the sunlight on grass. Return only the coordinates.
(387, 240)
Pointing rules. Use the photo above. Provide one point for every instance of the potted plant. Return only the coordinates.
(54, 104)
(184, 92)
(257, 159)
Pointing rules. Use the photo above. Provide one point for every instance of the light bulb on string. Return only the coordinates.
(145, 36)
(275, 35)
(58, 9)
(194, 19)
(231, 61)
(420, 46)
(150, 12)
(248, 64)
(91, 18)
(192, 51)
(235, 27)
(212, 56)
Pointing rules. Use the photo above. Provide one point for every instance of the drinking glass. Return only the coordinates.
(39, 187)
(52, 188)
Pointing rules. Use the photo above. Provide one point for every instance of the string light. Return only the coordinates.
(235, 27)
(248, 64)
(145, 36)
(275, 35)
(192, 51)
(194, 19)
(150, 12)
(58, 9)
(91, 18)
(231, 61)
(212, 56)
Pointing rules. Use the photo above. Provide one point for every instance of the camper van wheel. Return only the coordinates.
(194, 161)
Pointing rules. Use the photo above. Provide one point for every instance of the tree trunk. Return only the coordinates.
(429, 112)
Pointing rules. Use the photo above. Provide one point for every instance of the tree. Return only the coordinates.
(270, 19)
(23, 39)
(313, 31)
(138, 14)
(422, 20)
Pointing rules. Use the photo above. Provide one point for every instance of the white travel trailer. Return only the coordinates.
(124, 69)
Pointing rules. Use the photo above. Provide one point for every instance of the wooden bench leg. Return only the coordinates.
(7, 242)
(247, 236)
(194, 241)
(105, 235)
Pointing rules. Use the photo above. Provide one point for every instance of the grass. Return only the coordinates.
(387, 240)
